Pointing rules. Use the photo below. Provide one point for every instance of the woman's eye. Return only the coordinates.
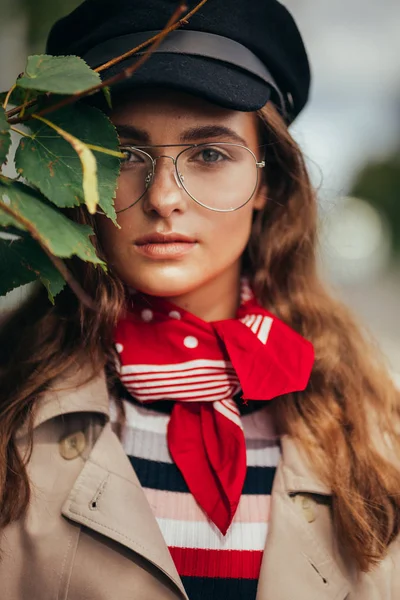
(130, 156)
(211, 155)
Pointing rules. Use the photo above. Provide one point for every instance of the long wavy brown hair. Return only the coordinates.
(350, 402)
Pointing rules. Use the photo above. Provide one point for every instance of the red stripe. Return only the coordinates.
(189, 395)
(180, 388)
(230, 564)
(183, 372)
(215, 397)
(229, 407)
(178, 382)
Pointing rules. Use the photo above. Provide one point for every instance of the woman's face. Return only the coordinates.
(211, 243)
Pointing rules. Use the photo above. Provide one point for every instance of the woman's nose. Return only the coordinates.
(165, 194)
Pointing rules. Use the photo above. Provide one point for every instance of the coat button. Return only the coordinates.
(73, 445)
(308, 509)
(307, 506)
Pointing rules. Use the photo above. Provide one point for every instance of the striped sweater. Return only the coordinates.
(212, 566)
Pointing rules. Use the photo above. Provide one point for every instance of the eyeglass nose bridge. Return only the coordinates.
(178, 176)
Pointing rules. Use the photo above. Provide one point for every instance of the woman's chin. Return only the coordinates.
(166, 286)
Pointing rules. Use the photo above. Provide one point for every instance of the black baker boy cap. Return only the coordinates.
(236, 53)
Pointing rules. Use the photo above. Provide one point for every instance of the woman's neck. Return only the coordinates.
(216, 300)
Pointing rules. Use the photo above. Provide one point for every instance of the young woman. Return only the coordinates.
(218, 427)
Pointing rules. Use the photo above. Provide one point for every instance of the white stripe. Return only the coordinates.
(208, 396)
(249, 320)
(145, 444)
(145, 419)
(206, 373)
(226, 391)
(232, 405)
(180, 387)
(256, 324)
(157, 382)
(263, 457)
(189, 394)
(245, 319)
(195, 534)
(192, 364)
(265, 329)
(219, 407)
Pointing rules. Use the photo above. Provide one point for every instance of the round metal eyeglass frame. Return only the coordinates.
(179, 178)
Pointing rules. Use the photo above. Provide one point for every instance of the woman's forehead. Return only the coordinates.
(150, 112)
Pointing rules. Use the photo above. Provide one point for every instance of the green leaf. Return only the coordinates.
(51, 164)
(18, 96)
(5, 137)
(61, 236)
(7, 220)
(58, 74)
(107, 95)
(88, 162)
(13, 273)
(23, 261)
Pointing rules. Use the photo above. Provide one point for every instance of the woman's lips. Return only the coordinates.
(165, 250)
(164, 246)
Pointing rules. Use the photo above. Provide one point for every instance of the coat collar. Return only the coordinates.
(84, 391)
(107, 497)
(298, 476)
(79, 390)
(108, 488)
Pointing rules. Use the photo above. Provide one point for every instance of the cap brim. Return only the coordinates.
(212, 80)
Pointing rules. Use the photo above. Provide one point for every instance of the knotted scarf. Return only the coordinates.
(167, 353)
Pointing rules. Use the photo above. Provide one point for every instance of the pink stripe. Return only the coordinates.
(179, 506)
(208, 385)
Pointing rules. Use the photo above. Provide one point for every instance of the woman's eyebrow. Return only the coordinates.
(129, 132)
(194, 134)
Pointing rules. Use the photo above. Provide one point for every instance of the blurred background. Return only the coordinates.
(350, 134)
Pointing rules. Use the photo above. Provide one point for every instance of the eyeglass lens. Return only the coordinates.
(221, 177)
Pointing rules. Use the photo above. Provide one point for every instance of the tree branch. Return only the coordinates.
(17, 109)
(173, 24)
(7, 98)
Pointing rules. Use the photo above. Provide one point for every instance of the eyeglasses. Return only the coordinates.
(222, 177)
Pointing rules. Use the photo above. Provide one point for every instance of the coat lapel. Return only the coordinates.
(108, 498)
(300, 560)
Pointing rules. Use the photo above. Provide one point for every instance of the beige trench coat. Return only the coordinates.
(89, 532)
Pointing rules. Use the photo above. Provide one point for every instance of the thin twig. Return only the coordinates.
(172, 23)
(20, 132)
(105, 151)
(23, 109)
(120, 76)
(17, 109)
(7, 98)
(127, 72)
(57, 262)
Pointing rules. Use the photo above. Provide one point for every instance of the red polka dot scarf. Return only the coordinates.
(168, 353)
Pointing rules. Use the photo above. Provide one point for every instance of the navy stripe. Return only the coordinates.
(163, 476)
(204, 588)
